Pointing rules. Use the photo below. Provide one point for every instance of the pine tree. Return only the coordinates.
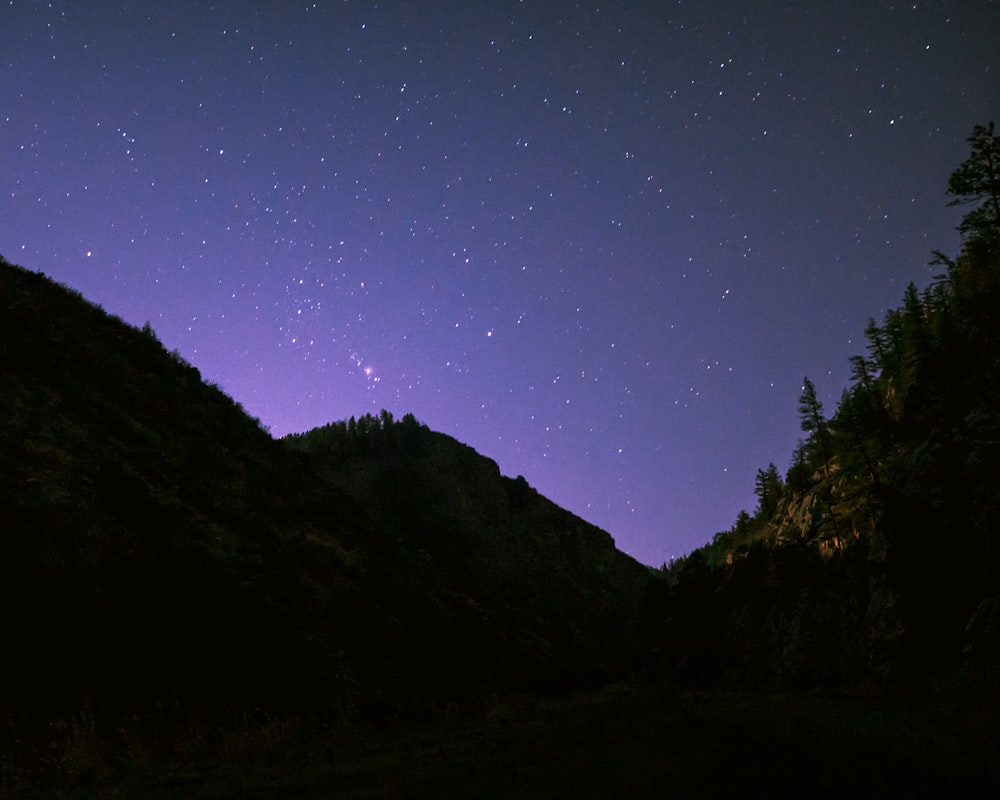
(861, 373)
(977, 180)
(769, 489)
(877, 346)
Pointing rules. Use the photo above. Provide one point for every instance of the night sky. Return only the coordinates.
(600, 243)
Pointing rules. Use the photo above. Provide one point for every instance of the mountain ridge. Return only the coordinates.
(182, 555)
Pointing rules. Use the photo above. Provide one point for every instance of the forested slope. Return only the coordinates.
(875, 559)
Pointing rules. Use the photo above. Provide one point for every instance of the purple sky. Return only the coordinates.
(601, 246)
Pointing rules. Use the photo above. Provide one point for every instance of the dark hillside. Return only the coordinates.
(159, 550)
(557, 587)
(874, 561)
(154, 536)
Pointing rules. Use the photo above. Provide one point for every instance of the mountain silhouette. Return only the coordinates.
(161, 550)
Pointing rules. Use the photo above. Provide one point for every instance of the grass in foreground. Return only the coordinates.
(615, 744)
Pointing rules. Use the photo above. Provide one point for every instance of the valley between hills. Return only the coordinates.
(192, 608)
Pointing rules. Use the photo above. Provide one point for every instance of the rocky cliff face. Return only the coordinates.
(567, 598)
(878, 589)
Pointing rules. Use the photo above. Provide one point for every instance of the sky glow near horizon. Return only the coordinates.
(602, 244)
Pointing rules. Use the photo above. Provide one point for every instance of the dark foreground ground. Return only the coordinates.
(617, 744)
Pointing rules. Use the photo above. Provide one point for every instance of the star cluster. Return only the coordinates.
(600, 244)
